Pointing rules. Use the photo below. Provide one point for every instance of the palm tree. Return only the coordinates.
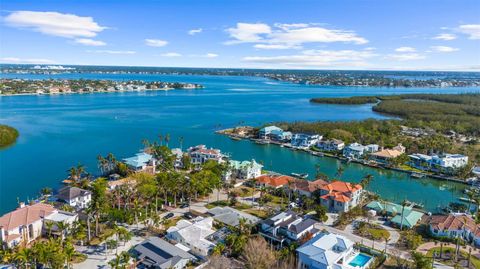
(49, 226)
(22, 257)
(69, 251)
(45, 192)
(160, 137)
(63, 229)
(404, 203)
(167, 139)
(180, 139)
(366, 180)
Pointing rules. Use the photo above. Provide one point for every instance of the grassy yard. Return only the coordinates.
(171, 222)
(217, 203)
(263, 214)
(244, 191)
(372, 231)
(446, 252)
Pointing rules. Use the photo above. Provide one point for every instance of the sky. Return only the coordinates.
(300, 34)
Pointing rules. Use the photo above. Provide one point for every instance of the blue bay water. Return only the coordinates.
(57, 132)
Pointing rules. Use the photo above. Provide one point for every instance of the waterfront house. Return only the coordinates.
(327, 251)
(264, 132)
(386, 155)
(305, 140)
(245, 170)
(455, 225)
(200, 154)
(443, 163)
(306, 187)
(26, 223)
(354, 150)
(273, 181)
(178, 154)
(141, 162)
(74, 197)
(157, 253)
(339, 196)
(287, 227)
(330, 145)
(410, 218)
(193, 235)
(230, 216)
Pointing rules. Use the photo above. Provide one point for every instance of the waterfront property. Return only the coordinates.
(305, 140)
(141, 162)
(74, 197)
(178, 154)
(356, 150)
(330, 145)
(26, 223)
(200, 154)
(230, 216)
(455, 225)
(157, 253)
(273, 181)
(306, 187)
(245, 169)
(339, 196)
(287, 227)
(386, 155)
(402, 216)
(331, 251)
(274, 133)
(193, 235)
(442, 163)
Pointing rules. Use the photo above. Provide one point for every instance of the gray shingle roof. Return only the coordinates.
(68, 193)
(158, 252)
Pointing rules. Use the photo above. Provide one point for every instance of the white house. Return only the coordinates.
(330, 145)
(141, 162)
(438, 163)
(287, 227)
(326, 251)
(455, 225)
(274, 133)
(157, 253)
(246, 169)
(200, 154)
(305, 140)
(356, 150)
(193, 235)
(75, 197)
(26, 223)
(178, 154)
(265, 131)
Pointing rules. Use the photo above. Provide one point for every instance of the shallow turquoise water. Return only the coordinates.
(60, 131)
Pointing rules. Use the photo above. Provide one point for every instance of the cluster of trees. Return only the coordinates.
(8, 135)
(354, 100)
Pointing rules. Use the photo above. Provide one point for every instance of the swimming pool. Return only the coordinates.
(360, 260)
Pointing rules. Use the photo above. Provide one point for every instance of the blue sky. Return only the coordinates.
(356, 34)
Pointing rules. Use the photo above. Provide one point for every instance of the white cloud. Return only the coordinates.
(317, 58)
(276, 46)
(472, 30)
(445, 37)
(406, 56)
(405, 49)
(247, 32)
(443, 49)
(155, 42)
(282, 36)
(113, 51)
(54, 23)
(195, 31)
(171, 54)
(210, 55)
(89, 42)
(15, 60)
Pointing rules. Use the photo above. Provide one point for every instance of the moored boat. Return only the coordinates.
(297, 175)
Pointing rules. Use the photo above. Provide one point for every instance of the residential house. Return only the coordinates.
(410, 218)
(230, 216)
(305, 140)
(386, 155)
(193, 235)
(245, 170)
(280, 136)
(455, 225)
(141, 162)
(443, 163)
(75, 197)
(26, 223)
(330, 145)
(273, 181)
(356, 150)
(200, 154)
(178, 154)
(264, 132)
(287, 227)
(159, 254)
(306, 187)
(339, 196)
(327, 251)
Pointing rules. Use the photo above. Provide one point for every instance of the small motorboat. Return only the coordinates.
(302, 176)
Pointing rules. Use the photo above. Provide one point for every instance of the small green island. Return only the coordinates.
(8, 136)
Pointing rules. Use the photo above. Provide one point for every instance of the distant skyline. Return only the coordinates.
(279, 34)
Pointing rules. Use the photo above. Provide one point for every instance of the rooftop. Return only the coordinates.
(25, 215)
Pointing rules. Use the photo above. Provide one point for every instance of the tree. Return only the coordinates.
(45, 192)
(257, 254)
(219, 262)
(321, 213)
(421, 261)
(99, 201)
(366, 180)
(218, 249)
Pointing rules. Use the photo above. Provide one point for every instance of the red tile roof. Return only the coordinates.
(274, 180)
(340, 191)
(454, 223)
(308, 186)
(25, 215)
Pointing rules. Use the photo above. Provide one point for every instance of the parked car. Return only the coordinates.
(168, 216)
(188, 215)
(184, 205)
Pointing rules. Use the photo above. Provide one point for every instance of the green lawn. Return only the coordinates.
(257, 212)
(474, 260)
